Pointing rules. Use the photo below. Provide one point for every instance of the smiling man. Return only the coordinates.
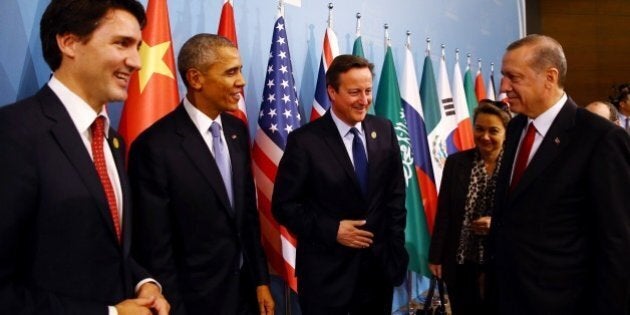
(560, 236)
(340, 190)
(65, 231)
(197, 226)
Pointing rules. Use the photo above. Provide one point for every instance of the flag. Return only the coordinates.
(469, 88)
(447, 108)
(153, 89)
(321, 103)
(464, 133)
(491, 94)
(417, 133)
(389, 105)
(357, 49)
(227, 29)
(480, 89)
(278, 116)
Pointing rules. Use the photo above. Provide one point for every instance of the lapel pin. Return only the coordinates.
(115, 143)
(233, 137)
(373, 135)
(556, 140)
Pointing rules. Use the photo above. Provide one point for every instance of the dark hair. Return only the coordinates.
(620, 94)
(548, 52)
(199, 52)
(497, 108)
(342, 64)
(79, 17)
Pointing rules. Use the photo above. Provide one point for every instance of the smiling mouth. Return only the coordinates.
(123, 77)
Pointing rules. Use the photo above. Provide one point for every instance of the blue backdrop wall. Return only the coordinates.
(481, 27)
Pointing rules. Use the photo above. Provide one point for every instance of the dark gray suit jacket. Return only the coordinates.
(561, 239)
(58, 246)
(187, 234)
(316, 187)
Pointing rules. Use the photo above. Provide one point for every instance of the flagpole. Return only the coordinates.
(428, 52)
(330, 17)
(468, 55)
(358, 29)
(479, 65)
(386, 27)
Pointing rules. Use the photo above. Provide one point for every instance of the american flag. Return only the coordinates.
(278, 116)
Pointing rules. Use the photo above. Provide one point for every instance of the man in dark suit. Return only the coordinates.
(65, 228)
(197, 225)
(345, 206)
(560, 235)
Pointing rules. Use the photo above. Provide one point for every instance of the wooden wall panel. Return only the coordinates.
(595, 36)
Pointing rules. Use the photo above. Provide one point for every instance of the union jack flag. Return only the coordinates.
(278, 116)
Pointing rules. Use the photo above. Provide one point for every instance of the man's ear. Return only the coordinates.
(68, 44)
(194, 78)
(331, 92)
(552, 75)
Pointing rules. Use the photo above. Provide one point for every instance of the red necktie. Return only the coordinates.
(523, 155)
(98, 137)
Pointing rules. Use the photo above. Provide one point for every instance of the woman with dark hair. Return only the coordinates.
(621, 100)
(465, 203)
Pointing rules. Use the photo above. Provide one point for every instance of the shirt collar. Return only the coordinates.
(201, 120)
(543, 121)
(343, 127)
(81, 113)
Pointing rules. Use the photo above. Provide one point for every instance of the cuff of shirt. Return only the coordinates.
(139, 285)
(112, 310)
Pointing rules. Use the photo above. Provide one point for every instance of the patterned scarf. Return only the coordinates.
(479, 203)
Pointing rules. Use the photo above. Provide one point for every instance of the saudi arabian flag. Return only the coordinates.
(389, 105)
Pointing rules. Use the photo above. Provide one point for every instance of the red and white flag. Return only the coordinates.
(227, 29)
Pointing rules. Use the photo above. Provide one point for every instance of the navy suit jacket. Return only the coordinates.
(188, 235)
(316, 187)
(58, 246)
(560, 241)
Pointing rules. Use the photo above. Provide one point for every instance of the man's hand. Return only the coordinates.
(150, 290)
(481, 226)
(139, 306)
(350, 235)
(436, 270)
(265, 301)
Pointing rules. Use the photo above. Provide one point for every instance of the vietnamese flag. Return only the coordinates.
(153, 89)
(227, 29)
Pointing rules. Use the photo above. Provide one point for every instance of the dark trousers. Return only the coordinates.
(372, 295)
(466, 295)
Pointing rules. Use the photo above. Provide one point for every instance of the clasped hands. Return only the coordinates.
(351, 235)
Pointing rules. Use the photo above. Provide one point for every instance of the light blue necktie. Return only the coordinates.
(222, 159)
(360, 160)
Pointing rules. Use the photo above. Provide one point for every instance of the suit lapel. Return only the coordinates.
(234, 139)
(200, 155)
(117, 148)
(69, 140)
(555, 140)
(338, 149)
(505, 173)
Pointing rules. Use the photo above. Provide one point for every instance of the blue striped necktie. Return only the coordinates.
(222, 159)
(360, 160)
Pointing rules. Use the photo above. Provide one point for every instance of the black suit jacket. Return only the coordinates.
(316, 187)
(59, 250)
(450, 214)
(561, 238)
(188, 235)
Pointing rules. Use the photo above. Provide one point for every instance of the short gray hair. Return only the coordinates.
(199, 52)
(547, 52)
